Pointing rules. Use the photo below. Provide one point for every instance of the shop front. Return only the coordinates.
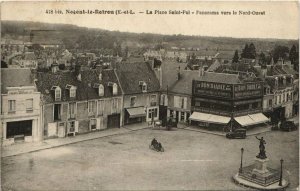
(135, 115)
(209, 121)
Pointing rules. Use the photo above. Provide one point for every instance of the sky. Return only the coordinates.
(280, 19)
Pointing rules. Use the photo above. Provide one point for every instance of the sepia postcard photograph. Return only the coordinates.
(151, 95)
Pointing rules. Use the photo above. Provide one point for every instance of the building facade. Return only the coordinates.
(140, 91)
(225, 101)
(79, 102)
(20, 107)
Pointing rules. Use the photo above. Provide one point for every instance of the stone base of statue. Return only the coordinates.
(258, 175)
(260, 167)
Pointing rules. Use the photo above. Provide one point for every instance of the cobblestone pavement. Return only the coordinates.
(191, 161)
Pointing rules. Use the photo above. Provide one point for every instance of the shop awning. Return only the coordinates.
(136, 112)
(252, 119)
(209, 118)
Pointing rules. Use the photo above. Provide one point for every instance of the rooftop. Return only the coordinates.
(15, 78)
(131, 73)
(85, 87)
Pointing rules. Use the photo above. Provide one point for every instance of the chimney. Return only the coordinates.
(272, 61)
(77, 71)
(100, 76)
(264, 72)
(276, 82)
(178, 73)
(54, 67)
(201, 71)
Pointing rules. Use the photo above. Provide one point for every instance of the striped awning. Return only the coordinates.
(136, 112)
(209, 118)
(252, 119)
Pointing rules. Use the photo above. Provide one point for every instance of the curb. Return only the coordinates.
(55, 146)
(212, 133)
(188, 129)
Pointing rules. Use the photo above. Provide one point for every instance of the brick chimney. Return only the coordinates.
(178, 73)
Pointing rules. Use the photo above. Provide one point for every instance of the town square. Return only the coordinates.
(105, 95)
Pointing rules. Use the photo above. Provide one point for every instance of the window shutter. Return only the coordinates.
(69, 116)
(68, 127)
(176, 101)
(98, 123)
(76, 127)
(185, 103)
(166, 100)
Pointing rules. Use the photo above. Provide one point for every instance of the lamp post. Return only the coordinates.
(280, 180)
(241, 166)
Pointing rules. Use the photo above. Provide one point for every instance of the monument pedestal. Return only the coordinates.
(260, 168)
(259, 173)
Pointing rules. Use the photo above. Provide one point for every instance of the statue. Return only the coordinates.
(262, 152)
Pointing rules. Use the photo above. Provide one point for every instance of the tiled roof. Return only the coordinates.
(130, 74)
(169, 73)
(271, 82)
(225, 55)
(214, 66)
(184, 84)
(29, 56)
(220, 78)
(280, 70)
(15, 78)
(85, 87)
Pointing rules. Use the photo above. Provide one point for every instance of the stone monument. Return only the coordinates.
(259, 175)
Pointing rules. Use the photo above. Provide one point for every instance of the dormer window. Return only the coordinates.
(72, 90)
(144, 87)
(115, 89)
(101, 90)
(57, 93)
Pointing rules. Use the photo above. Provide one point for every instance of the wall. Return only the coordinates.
(82, 115)
(20, 95)
(142, 100)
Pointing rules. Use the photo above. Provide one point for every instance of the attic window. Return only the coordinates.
(72, 90)
(115, 89)
(100, 88)
(100, 76)
(144, 87)
(57, 92)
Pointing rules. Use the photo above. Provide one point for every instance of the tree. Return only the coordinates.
(251, 51)
(245, 52)
(262, 59)
(294, 57)
(235, 58)
(280, 52)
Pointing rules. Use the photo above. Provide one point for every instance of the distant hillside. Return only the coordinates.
(89, 38)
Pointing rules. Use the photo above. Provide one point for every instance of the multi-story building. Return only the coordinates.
(279, 92)
(140, 92)
(227, 101)
(176, 90)
(20, 107)
(79, 101)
